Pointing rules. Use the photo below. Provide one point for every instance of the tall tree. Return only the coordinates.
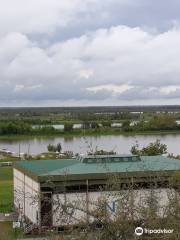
(59, 147)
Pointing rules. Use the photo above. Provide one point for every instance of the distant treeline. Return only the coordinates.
(94, 109)
(156, 123)
(49, 115)
(47, 118)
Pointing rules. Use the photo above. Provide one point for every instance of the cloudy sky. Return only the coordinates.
(89, 52)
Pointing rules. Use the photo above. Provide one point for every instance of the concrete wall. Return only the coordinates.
(80, 203)
(26, 196)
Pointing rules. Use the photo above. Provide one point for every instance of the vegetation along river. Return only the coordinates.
(118, 143)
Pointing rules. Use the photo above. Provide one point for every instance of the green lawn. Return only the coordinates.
(6, 189)
(7, 158)
(7, 232)
(6, 203)
(6, 173)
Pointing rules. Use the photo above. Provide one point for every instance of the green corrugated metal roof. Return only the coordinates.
(39, 167)
(108, 158)
(105, 156)
(75, 167)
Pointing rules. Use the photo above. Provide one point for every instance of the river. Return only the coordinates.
(119, 143)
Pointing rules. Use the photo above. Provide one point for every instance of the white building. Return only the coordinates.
(57, 193)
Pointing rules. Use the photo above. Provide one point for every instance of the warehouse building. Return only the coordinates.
(42, 187)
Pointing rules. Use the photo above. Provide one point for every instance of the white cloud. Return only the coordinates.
(86, 73)
(169, 89)
(41, 16)
(110, 87)
(19, 88)
(45, 16)
(116, 64)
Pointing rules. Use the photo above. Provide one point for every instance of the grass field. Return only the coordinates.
(7, 158)
(7, 232)
(6, 189)
(6, 174)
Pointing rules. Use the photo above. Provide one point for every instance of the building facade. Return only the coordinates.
(54, 193)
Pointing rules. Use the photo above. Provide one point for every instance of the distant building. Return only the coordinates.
(38, 185)
(6, 151)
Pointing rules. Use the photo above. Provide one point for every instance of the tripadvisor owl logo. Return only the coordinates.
(139, 231)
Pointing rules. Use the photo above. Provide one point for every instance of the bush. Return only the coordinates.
(106, 124)
(153, 149)
(54, 148)
(68, 127)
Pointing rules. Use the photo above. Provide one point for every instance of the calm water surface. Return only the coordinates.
(120, 144)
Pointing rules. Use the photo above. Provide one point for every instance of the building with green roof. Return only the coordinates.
(44, 179)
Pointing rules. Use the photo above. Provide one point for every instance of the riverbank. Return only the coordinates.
(89, 132)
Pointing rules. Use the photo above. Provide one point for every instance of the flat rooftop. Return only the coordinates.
(93, 166)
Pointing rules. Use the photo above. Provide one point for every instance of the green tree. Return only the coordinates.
(154, 148)
(59, 147)
(126, 126)
(86, 125)
(94, 125)
(106, 123)
(51, 148)
(68, 127)
(162, 122)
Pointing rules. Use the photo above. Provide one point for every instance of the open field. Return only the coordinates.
(6, 174)
(6, 196)
(7, 158)
(7, 232)
(6, 189)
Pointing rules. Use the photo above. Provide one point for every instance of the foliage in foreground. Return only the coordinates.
(150, 208)
(153, 149)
